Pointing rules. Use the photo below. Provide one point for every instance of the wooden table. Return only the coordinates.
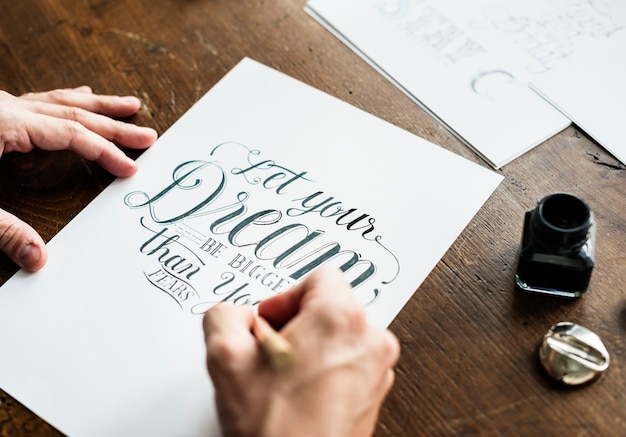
(469, 361)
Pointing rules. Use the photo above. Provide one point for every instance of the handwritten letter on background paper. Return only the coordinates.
(539, 34)
(260, 182)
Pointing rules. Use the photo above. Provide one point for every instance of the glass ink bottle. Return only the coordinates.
(558, 247)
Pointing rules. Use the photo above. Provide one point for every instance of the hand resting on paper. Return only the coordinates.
(341, 372)
(64, 119)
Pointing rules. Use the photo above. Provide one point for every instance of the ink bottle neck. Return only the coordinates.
(560, 223)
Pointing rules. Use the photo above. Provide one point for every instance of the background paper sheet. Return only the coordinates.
(480, 95)
(572, 51)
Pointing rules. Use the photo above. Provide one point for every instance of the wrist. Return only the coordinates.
(302, 415)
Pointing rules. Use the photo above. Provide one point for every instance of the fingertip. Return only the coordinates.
(32, 257)
(116, 162)
(325, 281)
(137, 137)
(130, 100)
(149, 135)
(327, 272)
(129, 170)
(278, 310)
(129, 104)
(20, 242)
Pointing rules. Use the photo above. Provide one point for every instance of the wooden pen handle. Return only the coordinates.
(278, 351)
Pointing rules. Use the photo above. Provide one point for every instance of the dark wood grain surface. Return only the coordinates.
(469, 362)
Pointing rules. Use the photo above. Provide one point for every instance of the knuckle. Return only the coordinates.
(384, 345)
(221, 354)
(353, 314)
(14, 139)
(74, 113)
(344, 315)
(72, 126)
(59, 95)
(73, 130)
(31, 95)
(10, 231)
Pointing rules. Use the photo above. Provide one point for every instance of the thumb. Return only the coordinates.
(21, 243)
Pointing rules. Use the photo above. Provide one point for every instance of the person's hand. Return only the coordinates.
(341, 372)
(72, 119)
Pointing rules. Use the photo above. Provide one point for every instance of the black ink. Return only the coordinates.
(173, 262)
(262, 166)
(180, 176)
(323, 208)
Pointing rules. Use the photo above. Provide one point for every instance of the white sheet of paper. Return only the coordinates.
(572, 51)
(107, 339)
(589, 88)
(482, 98)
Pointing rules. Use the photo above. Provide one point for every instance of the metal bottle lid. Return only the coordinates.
(572, 354)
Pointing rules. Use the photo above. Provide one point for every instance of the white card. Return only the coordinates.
(256, 183)
(589, 88)
(482, 97)
(573, 53)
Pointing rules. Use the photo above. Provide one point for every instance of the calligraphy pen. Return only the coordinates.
(277, 350)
